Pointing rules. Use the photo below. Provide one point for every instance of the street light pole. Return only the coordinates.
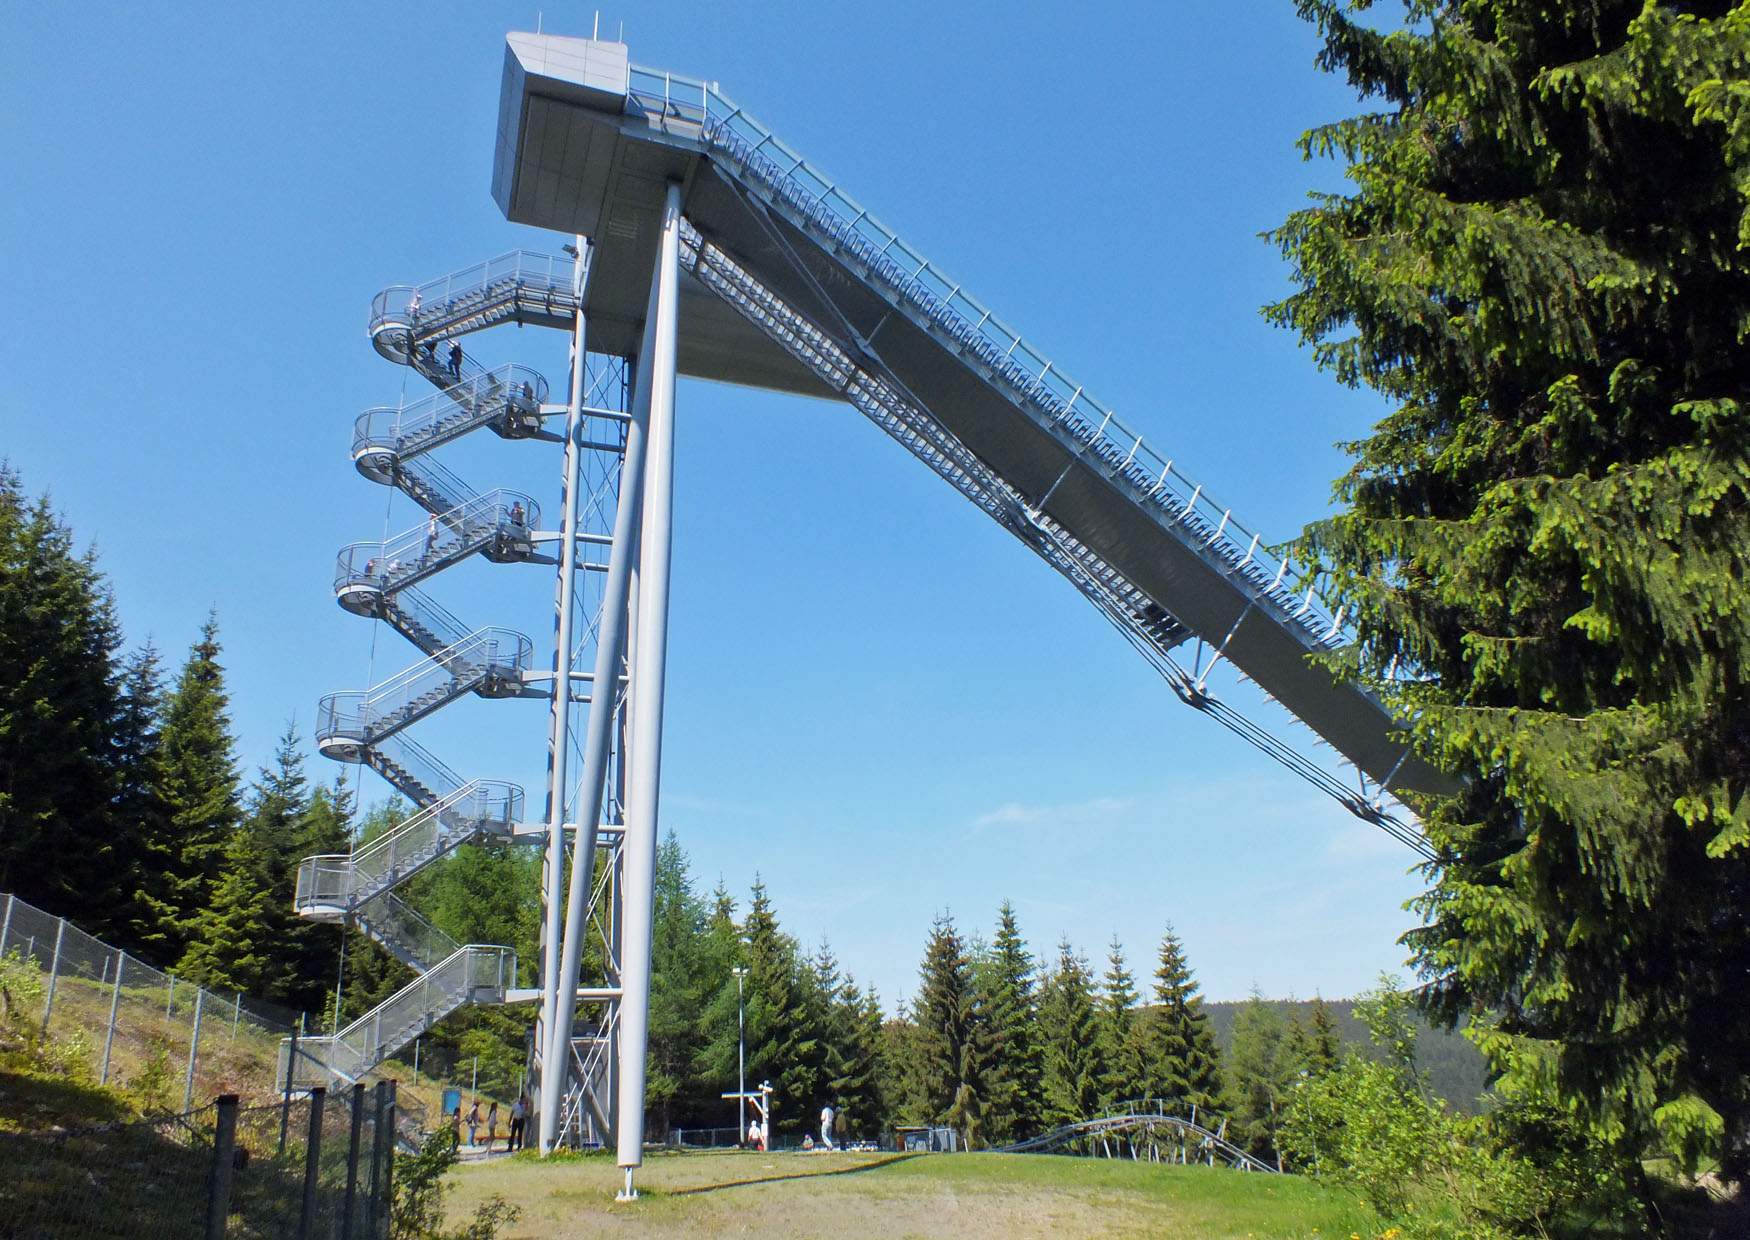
(740, 1054)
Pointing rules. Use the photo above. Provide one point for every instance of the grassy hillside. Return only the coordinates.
(1455, 1067)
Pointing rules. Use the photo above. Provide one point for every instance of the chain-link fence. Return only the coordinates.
(314, 1168)
(168, 1041)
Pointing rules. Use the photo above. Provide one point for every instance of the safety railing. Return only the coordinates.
(340, 880)
(484, 655)
(475, 973)
(442, 539)
(424, 621)
(405, 931)
(512, 391)
(694, 109)
(416, 771)
(423, 307)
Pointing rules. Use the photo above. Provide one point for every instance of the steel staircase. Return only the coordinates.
(473, 974)
(506, 401)
(395, 446)
(332, 887)
(488, 662)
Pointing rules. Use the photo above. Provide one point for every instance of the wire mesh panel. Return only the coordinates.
(106, 1015)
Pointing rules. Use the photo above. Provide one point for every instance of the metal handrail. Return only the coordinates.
(393, 307)
(694, 109)
(438, 539)
(455, 669)
(400, 431)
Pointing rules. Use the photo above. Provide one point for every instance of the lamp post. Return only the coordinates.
(740, 1054)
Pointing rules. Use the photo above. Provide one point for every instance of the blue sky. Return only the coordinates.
(877, 699)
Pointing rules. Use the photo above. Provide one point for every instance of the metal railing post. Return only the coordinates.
(194, 1043)
(219, 1176)
(312, 1163)
(6, 923)
(352, 1162)
(54, 972)
(115, 998)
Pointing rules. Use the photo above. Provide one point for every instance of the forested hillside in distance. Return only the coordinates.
(1455, 1067)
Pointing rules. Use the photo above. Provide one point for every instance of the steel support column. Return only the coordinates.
(657, 368)
(554, 1070)
(598, 735)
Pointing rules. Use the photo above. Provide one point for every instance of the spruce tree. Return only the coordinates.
(227, 948)
(1261, 1071)
(198, 775)
(1176, 1047)
(1074, 1068)
(59, 846)
(1544, 265)
(1120, 1045)
(782, 1043)
(676, 986)
(850, 1049)
(1016, 1063)
(953, 1041)
(147, 914)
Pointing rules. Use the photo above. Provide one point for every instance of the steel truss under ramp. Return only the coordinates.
(706, 247)
(1145, 1130)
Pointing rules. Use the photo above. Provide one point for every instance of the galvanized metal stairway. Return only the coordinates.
(476, 973)
(379, 579)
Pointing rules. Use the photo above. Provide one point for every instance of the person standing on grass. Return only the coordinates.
(491, 1125)
(474, 1123)
(826, 1125)
(456, 1124)
(519, 1116)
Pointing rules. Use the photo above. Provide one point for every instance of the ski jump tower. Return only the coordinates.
(702, 245)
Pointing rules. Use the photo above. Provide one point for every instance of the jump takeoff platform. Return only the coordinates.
(702, 245)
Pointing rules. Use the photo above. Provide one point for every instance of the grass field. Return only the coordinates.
(977, 1196)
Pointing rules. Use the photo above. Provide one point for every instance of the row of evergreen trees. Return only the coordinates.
(121, 806)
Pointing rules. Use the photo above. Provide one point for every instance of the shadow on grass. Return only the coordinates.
(788, 1175)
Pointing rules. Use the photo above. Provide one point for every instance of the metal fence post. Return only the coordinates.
(291, 1064)
(236, 1011)
(312, 1164)
(381, 1104)
(389, 1166)
(352, 1162)
(6, 924)
(169, 994)
(194, 1044)
(115, 998)
(219, 1178)
(54, 971)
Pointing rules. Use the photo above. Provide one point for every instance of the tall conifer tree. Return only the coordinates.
(58, 703)
(1074, 1066)
(199, 781)
(953, 1041)
(1544, 265)
(1120, 1044)
(1176, 1047)
(1016, 1065)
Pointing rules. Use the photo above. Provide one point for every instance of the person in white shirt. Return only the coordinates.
(826, 1125)
(755, 1135)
